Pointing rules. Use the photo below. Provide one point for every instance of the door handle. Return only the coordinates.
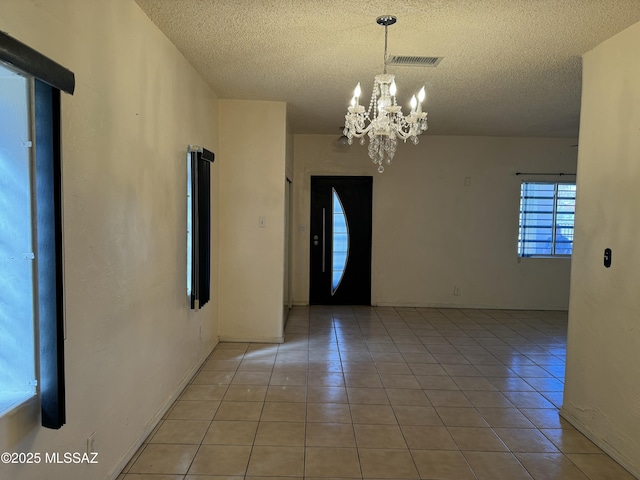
(324, 234)
(316, 239)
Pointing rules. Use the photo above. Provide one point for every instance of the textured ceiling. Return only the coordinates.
(510, 67)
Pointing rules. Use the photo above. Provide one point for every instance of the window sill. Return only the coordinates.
(567, 257)
(9, 402)
(18, 421)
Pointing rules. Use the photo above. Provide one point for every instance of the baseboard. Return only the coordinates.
(155, 420)
(469, 306)
(451, 305)
(603, 445)
(252, 339)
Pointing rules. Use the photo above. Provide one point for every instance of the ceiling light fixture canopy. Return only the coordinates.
(383, 122)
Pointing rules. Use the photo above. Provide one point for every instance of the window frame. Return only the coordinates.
(198, 225)
(522, 244)
(49, 80)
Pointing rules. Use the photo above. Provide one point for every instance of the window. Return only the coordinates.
(17, 316)
(547, 212)
(190, 205)
(199, 162)
(340, 243)
(31, 250)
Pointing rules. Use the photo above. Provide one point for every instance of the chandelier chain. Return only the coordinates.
(386, 33)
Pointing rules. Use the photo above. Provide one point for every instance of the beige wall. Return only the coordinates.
(132, 342)
(431, 232)
(602, 389)
(131, 339)
(253, 141)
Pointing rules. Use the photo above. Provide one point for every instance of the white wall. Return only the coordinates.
(602, 382)
(131, 339)
(431, 232)
(253, 144)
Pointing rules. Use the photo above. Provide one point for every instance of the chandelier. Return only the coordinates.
(383, 122)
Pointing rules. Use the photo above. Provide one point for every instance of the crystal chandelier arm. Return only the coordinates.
(413, 125)
(357, 118)
(355, 125)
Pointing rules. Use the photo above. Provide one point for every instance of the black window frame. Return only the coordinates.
(201, 160)
(50, 79)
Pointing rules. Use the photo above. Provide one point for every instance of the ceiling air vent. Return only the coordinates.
(412, 61)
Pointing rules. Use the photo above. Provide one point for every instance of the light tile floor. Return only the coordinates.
(380, 393)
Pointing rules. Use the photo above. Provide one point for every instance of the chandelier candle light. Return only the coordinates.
(385, 123)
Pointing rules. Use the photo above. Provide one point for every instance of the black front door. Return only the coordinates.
(341, 218)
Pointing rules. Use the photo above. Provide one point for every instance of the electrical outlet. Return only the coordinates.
(456, 291)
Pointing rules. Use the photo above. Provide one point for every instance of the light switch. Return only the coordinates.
(261, 222)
